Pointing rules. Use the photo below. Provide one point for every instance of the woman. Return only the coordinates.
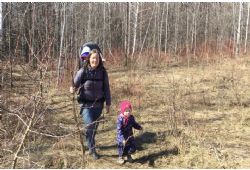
(93, 84)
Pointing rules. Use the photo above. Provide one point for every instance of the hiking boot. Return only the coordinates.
(95, 155)
(129, 158)
(120, 160)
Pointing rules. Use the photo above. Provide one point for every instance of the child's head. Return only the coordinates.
(125, 108)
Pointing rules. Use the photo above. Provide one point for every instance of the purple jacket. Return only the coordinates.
(95, 86)
(125, 131)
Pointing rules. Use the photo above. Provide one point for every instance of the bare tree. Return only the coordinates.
(60, 63)
(160, 32)
(206, 27)
(237, 50)
(89, 30)
(247, 21)
(121, 26)
(136, 12)
(234, 29)
(176, 28)
(166, 31)
(127, 35)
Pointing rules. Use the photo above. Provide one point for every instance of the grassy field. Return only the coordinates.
(195, 116)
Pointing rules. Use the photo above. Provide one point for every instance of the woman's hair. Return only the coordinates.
(94, 51)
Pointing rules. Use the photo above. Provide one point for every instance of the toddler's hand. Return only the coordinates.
(124, 142)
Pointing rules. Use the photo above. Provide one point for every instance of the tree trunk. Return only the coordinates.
(155, 29)
(127, 35)
(110, 31)
(104, 30)
(234, 31)
(248, 7)
(135, 27)
(206, 27)
(166, 33)
(238, 32)
(176, 29)
(128, 32)
(60, 63)
(160, 34)
(187, 32)
(33, 40)
(89, 32)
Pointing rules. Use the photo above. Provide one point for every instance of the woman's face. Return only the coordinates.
(94, 60)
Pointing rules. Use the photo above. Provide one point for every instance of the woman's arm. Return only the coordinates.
(107, 88)
(78, 78)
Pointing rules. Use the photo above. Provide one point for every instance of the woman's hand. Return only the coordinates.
(107, 108)
(72, 89)
(141, 130)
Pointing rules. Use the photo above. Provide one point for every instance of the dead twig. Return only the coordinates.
(24, 135)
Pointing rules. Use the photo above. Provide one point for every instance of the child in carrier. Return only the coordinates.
(125, 139)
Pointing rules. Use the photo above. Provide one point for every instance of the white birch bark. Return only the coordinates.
(135, 27)
(60, 63)
(166, 33)
(247, 22)
(237, 51)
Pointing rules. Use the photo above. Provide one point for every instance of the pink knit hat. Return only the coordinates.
(125, 105)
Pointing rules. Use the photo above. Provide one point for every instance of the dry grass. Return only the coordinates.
(194, 116)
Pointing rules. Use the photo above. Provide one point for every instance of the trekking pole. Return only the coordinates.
(103, 119)
(76, 120)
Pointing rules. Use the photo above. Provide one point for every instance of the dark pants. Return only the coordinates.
(90, 116)
(128, 149)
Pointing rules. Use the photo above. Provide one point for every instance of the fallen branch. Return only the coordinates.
(24, 136)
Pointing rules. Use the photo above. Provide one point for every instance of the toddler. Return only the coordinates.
(125, 139)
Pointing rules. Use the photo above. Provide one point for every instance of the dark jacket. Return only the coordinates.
(94, 86)
(124, 131)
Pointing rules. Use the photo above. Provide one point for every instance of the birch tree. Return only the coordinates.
(135, 27)
(166, 31)
(234, 29)
(238, 31)
(60, 63)
(247, 21)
